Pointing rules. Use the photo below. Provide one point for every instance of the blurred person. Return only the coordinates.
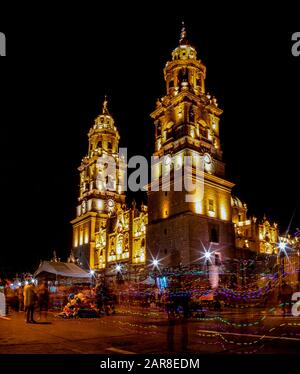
(2, 302)
(11, 297)
(43, 299)
(21, 298)
(171, 330)
(217, 305)
(29, 300)
(285, 296)
(99, 297)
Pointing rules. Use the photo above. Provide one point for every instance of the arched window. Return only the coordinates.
(214, 235)
(183, 75)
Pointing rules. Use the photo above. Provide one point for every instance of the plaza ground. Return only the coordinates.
(141, 331)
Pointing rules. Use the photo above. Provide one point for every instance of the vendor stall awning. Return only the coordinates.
(149, 281)
(65, 269)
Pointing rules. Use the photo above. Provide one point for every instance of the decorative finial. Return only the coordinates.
(104, 108)
(183, 40)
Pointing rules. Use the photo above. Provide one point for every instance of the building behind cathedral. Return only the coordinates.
(107, 232)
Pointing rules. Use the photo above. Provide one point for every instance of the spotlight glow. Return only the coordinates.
(155, 262)
(92, 272)
(282, 246)
(282, 249)
(207, 255)
(118, 268)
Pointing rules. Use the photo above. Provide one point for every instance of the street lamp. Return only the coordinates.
(92, 275)
(118, 268)
(207, 256)
(155, 263)
(282, 246)
(282, 253)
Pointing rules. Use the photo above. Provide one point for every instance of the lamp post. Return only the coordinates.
(92, 275)
(282, 254)
(118, 270)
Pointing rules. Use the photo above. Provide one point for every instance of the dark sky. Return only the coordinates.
(59, 67)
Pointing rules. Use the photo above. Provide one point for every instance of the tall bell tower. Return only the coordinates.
(187, 121)
(101, 187)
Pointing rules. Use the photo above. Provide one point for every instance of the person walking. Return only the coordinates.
(285, 297)
(21, 298)
(43, 299)
(2, 303)
(99, 298)
(29, 300)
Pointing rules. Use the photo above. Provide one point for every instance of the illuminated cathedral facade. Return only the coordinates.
(108, 232)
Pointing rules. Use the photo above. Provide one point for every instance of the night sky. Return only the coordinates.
(60, 66)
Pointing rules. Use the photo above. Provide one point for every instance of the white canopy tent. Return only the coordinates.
(148, 281)
(63, 269)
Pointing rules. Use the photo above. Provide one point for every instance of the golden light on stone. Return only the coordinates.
(211, 213)
(187, 122)
(198, 207)
(98, 205)
(223, 212)
(81, 238)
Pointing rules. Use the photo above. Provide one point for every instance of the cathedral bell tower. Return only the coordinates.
(101, 187)
(187, 121)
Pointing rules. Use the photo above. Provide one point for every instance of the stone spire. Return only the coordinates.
(104, 107)
(183, 40)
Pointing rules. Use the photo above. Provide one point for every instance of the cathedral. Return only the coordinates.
(106, 231)
(109, 234)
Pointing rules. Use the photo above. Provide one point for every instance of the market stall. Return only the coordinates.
(63, 278)
(62, 272)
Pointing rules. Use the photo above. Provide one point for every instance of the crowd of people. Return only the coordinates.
(36, 299)
(27, 298)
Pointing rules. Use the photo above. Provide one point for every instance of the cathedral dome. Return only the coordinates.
(184, 51)
(236, 202)
(104, 120)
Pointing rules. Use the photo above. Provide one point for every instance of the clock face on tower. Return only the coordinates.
(208, 163)
(110, 205)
